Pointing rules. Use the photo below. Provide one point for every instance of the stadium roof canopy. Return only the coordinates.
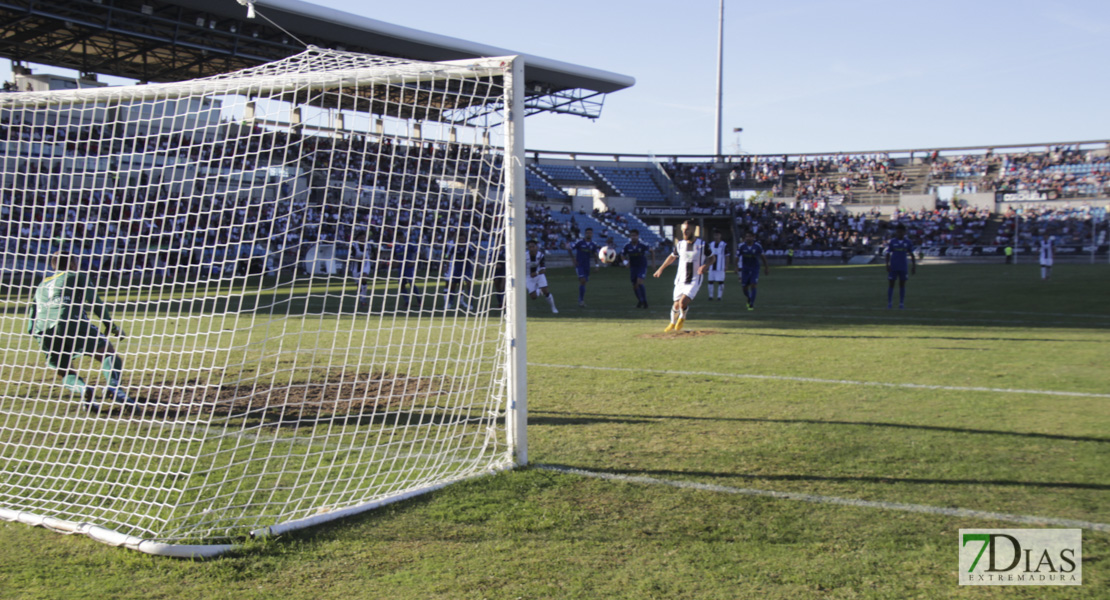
(176, 40)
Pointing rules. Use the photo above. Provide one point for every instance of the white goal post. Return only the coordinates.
(254, 302)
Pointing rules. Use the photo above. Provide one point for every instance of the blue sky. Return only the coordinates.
(817, 76)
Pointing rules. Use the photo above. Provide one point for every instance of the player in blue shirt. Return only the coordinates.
(584, 253)
(402, 257)
(636, 254)
(899, 252)
(460, 256)
(498, 257)
(747, 268)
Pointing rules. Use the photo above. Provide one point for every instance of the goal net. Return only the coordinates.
(310, 266)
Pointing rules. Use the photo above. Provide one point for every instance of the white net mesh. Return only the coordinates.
(307, 261)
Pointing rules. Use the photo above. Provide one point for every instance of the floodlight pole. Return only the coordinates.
(720, 74)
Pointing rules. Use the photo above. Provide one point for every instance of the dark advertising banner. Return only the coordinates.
(681, 211)
(1026, 196)
(1061, 251)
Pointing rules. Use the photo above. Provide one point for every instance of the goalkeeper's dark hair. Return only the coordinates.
(62, 260)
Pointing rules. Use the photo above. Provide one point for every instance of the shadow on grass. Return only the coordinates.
(539, 417)
(919, 337)
(670, 473)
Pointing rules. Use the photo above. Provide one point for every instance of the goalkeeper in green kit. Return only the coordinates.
(60, 324)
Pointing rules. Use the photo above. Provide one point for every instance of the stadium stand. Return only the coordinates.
(697, 180)
(569, 174)
(271, 234)
(779, 227)
(539, 188)
(1077, 225)
(631, 181)
(944, 227)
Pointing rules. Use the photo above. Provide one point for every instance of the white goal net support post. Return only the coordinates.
(255, 302)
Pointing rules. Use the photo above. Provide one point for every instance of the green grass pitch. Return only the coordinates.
(989, 392)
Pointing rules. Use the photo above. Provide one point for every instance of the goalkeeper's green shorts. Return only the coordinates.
(65, 342)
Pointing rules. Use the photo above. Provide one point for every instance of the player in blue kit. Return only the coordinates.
(460, 256)
(584, 253)
(402, 257)
(747, 268)
(636, 254)
(899, 252)
(499, 275)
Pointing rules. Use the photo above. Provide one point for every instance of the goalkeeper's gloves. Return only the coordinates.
(116, 330)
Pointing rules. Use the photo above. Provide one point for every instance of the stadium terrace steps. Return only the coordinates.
(539, 183)
(603, 229)
(990, 232)
(563, 173)
(635, 182)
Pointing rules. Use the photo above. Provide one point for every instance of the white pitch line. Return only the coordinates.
(913, 315)
(913, 386)
(965, 513)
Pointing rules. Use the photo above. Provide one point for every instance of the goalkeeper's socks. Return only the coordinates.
(112, 368)
(75, 384)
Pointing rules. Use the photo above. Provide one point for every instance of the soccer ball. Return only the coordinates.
(607, 254)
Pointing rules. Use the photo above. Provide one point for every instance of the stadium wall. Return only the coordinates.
(979, 200)
(914, 202)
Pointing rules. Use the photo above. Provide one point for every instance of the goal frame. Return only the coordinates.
(514, 321)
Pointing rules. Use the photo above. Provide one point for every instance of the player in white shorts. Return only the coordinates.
(1048, 252)
(536, 281)
(364, 268)
(718, 264)
(692, 255)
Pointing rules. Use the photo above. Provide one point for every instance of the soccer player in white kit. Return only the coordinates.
(718, 264)
(693, 256)
(536, 281)
(364, 267)
(1047, 253)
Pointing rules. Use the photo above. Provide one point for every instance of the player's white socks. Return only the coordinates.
(551, 301)
(674, 316)
(1044, 272)
(720, 291)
